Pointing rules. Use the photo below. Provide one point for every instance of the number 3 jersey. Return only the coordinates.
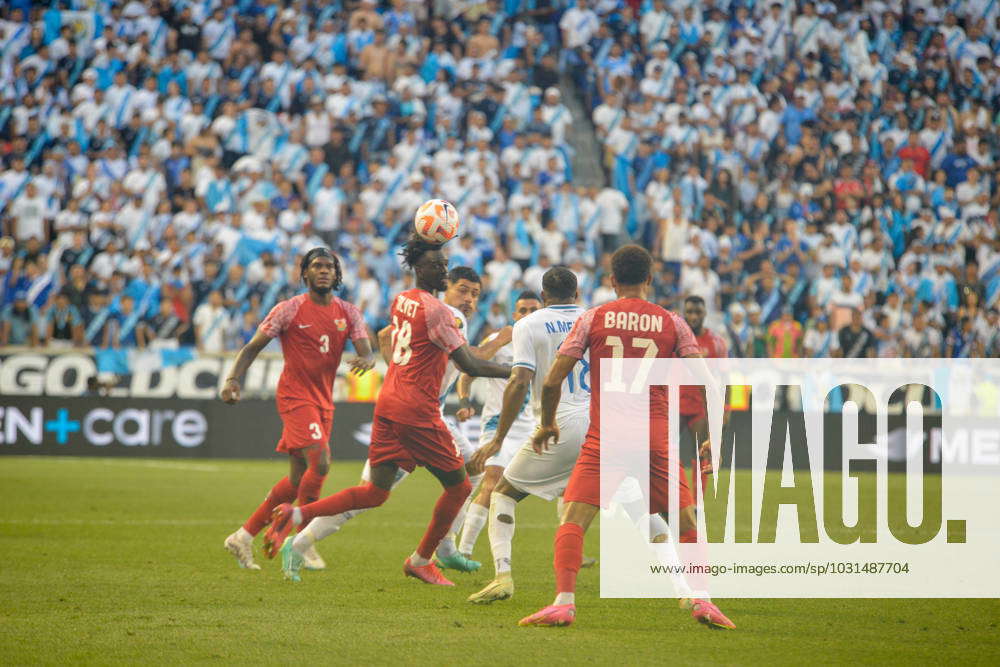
(630, 329)
(424, 334)
(536, 342)
(312, 341)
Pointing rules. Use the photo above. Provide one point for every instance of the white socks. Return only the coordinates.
(243, 536)
(475, 521)
(501, 530)
(417, 560)
(565, 598)
(297, 516)
(321, 527)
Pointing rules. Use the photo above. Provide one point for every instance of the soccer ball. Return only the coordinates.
(436, 221)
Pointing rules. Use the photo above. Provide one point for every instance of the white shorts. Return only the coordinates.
(545, 475)
(518, 434)
(462, 444)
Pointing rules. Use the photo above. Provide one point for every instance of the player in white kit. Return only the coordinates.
(542, 473)
(519, 433)
(461, 297)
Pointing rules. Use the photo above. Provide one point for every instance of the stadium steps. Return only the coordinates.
(587, 151)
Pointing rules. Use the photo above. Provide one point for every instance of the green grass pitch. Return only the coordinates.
(115, 561)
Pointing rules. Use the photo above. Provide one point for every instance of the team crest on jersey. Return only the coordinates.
(341, 324)
(458, 322)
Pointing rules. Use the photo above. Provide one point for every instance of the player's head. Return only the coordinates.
(464, 288)
(527, 303)
(429, 264)
(694, 312)
(559, 286)
(631, 267)
(320, 270)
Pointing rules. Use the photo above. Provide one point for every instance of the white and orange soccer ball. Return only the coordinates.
(436, 221)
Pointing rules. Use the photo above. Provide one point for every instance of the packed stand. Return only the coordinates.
(166, 163)
(823, 174)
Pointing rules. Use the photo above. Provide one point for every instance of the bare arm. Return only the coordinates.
(488, 350)
(385, 343)
(465, 409)
(231, 390)
(513, 399)
(363, 361)
(467, 362)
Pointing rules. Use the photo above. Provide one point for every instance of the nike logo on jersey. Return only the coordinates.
(304, 326)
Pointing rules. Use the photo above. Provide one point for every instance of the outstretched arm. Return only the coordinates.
(231, 389)
(385, 343)
(488, 349)
(513, 400)
(465, 409)
(468, 363)
(363, 361)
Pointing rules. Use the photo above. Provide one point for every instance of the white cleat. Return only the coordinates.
(242, 550)
(312, 560)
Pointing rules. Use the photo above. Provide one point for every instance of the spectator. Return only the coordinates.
(19, 322)
(212, 323)
(856, 341)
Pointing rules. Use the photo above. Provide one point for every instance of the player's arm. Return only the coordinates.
(385, 343)
(231, 389)
(467, 362)
(513, 400)
(551, 393)
(463, 388)
(488, 349)
(363, 361)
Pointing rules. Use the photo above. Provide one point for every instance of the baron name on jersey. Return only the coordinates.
(616, 319)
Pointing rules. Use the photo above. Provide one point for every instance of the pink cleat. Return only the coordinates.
(707, 613)
(429, 574)
(555, 615)
(281, 525)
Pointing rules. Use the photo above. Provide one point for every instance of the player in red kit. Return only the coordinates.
(313, 328)
(629, 327)
(407, 430)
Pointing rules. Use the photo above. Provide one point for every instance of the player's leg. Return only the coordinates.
(240, 543)
(568, 556)
(324, 526)
(479, 510)
(318, 461)
(455, 490)
(503, 502)
(448, 554)
(386, 454)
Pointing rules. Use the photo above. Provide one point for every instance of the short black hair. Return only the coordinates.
(464, 273)
(322, 251)
(694, 298)
(631, 265)
(414, 249)
(528, 295)
(559, 283)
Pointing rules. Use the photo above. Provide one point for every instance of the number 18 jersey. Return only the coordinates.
(424, 334)
(630, 329)
(536, 340)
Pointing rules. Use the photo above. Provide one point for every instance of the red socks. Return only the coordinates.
(689, 536)
(351, 498)
(309, 489)
(283, 492)
(445, 511)
(568, 556)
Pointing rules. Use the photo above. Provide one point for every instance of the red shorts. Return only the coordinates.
(410, 446)
(305, 425)
(584, 484)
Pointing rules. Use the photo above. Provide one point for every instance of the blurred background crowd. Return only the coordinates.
(823, 174)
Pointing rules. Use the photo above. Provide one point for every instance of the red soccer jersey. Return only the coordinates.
(629, 328)
(312, 341)
(424, 334)
(712, 345)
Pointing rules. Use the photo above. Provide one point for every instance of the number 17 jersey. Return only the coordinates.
(631, 329)
(424, 334)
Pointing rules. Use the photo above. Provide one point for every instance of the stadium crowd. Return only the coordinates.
(823, 174)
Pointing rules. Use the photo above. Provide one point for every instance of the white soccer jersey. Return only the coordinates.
(535, 344)
(451, 371)
(494, 394)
